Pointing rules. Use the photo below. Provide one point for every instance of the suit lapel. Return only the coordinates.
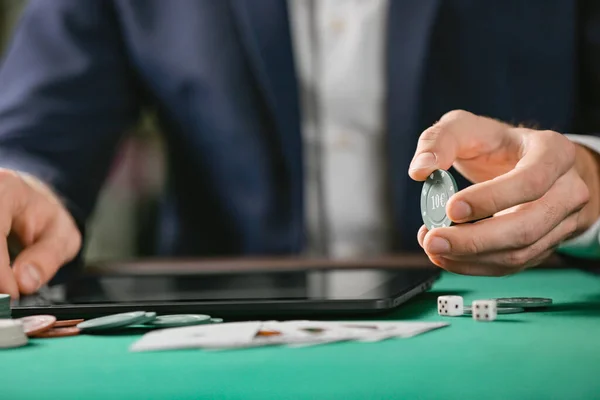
(264, 27)
(409, 27)
(265, 31)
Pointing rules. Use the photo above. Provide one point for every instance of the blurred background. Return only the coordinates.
(122, 225)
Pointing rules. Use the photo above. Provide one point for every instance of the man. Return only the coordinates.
(291, 125)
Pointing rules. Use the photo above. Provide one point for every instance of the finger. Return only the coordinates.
(478, 269)
(421, 235)
(473, 268)
(10, 205)
(48, 234)
(541, 258)
(515, 230)
(547, 156)
(526, 257)
(34, 265)
(8, 283)
(458, 134)
(40, 261)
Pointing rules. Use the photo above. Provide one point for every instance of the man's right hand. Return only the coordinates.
(47, 234)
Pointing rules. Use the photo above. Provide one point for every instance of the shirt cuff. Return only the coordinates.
(587, 244)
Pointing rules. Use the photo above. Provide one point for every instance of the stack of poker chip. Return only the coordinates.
(12, 334)
(145, 320)
(5, 311)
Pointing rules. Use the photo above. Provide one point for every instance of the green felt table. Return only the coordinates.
(550, 354)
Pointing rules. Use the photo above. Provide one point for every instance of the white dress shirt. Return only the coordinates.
(339, 52)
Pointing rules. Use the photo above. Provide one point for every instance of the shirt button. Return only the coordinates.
(337, 25)
(342, 141)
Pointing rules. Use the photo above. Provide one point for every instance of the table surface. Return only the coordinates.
(554, 353)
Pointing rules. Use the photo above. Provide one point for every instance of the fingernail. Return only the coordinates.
(30, 279)
(439, 246)
(460, 211)
(423, 160)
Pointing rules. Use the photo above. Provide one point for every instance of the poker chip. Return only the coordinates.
(5, 310)
(67, 323)
(59, 332)
(177, 320)
(148, 318)
(115, 321)
(437, 190)
(468, 310)
(523, 302)
(36, 324)
(47, 326)
(12, 334)
(452, 306)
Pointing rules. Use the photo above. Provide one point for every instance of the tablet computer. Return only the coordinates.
(236, 288)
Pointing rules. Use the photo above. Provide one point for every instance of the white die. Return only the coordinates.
(484, 310)
(452, 306)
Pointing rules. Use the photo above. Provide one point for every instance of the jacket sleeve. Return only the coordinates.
(67, 94)
(587, 245)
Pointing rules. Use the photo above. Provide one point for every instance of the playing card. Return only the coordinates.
(199, 336)
(311, 332)
(269, 333)
(371, 331)
(292, 332)
(323, 332)
(393, 329)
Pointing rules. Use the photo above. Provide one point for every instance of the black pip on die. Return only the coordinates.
(484, 310)
(452, 306)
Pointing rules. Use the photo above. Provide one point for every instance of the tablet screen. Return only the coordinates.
(229, 288)
(321, 285)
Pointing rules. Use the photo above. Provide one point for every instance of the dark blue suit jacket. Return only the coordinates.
(220, 74)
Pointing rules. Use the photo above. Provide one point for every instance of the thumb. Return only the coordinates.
(457, 135)
(38, 263)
